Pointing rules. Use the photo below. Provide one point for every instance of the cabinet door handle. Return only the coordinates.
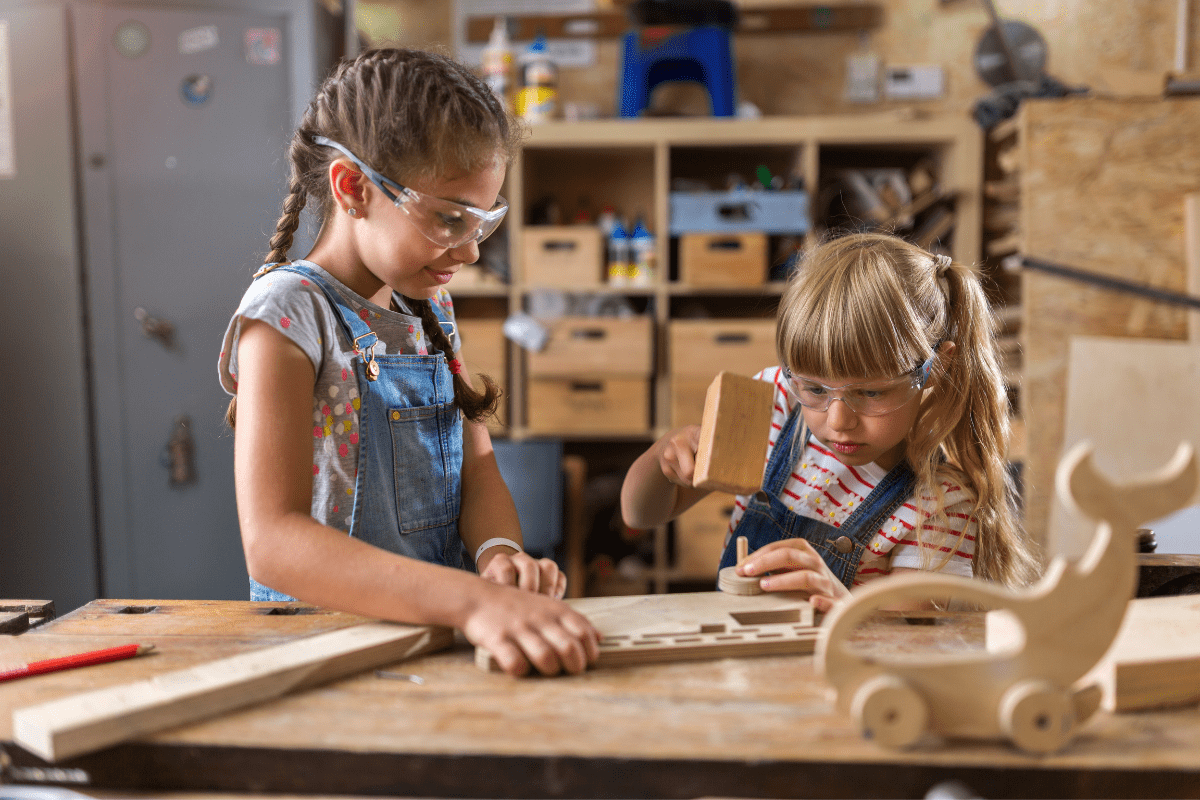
(155, 328)
(179, 456)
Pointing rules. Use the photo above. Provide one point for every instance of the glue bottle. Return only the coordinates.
(641, 245)
(618, 255)
(538, 99)
(496, 61)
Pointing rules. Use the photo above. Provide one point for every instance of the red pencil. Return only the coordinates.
(77, 660)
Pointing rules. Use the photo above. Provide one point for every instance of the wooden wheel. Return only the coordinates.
(1037, 716)
(889, 711)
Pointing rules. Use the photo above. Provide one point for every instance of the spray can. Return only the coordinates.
(642, 261)
(538, 99)
(496, 62)
(618, 256)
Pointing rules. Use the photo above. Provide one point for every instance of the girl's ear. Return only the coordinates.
(346, 182)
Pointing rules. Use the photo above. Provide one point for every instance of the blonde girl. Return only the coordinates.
(365, 478)
(890, 431)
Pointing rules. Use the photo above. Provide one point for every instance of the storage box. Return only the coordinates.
(485, 350)
(588, 405)
(563, 255)
(782, 211)
(700, 536)
(596, 346)
(723, 259)
(700, 348)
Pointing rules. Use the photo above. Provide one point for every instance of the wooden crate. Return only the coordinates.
(723, 259)
(596, 346)
(700, 348)
(700, 535)
(588, 405)
(485, 350)
(563, 255)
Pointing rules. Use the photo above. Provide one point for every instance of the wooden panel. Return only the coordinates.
(702, 348)
(585, 346)
(1102, 186)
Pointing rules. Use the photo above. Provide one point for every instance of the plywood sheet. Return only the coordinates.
(1135, 400)
(1102, 188)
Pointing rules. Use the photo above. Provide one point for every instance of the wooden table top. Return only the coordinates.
(749, 727)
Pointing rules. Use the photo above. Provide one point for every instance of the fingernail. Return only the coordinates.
(764, 584)
(748, 568)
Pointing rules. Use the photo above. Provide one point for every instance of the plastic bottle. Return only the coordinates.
(618, 256)
(642, 260)
(538, 99)
(496, 62)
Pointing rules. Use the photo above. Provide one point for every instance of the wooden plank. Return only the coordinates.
(86, 722)
(1155, 660)
(13, 622)
(734, 434)
(692, 626)
(40, 610)
(613, 24)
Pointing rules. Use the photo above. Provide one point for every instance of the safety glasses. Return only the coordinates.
(869, 398)
(443, 222)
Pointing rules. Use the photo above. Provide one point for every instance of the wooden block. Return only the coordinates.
(13, 622)
(83, 723)
(39, 611)
(648, 629)
(734, 434)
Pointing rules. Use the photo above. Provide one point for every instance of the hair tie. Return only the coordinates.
(455, 366)
(943, 263)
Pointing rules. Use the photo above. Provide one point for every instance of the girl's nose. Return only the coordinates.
(840, 415)
(466, 253)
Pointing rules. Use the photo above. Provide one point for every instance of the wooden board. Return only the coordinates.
(1132, 431)
(656, 628)
(734, 434)
(1155, 660)
(83, 723)
(1102, 188)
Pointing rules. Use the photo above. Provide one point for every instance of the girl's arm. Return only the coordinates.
(658, 487)
(488, 512)
(288, 550)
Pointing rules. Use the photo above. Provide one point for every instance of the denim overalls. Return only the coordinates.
(767, 519)
(410, 450)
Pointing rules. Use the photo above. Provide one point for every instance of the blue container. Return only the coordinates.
(780, 212)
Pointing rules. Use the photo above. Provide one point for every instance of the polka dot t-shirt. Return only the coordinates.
(822, 487)
(297, 308)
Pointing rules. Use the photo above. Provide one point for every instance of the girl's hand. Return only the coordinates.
(540, 576)
(677, 455)
(795, 567)
(521, 629)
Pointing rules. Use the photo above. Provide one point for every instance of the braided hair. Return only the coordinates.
(413, 115)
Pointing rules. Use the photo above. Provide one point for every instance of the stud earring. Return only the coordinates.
(352, 212)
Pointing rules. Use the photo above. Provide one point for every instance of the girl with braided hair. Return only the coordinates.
(888, 448)
(365, 477)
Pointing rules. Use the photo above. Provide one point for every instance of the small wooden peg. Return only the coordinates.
(730, 582)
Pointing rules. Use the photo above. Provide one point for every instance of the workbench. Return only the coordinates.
(734, 727)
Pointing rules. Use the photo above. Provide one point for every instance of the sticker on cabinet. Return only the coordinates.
(8, 159)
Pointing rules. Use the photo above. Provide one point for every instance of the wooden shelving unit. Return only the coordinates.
(631, 164)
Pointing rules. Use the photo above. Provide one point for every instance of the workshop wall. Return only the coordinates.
(1092, 43)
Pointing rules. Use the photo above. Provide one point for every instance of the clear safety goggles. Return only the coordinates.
(443, 222)
(869, 398)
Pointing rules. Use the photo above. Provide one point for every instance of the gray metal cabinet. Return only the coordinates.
(182, 113)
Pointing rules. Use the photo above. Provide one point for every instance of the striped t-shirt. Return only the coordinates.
(822, 487)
